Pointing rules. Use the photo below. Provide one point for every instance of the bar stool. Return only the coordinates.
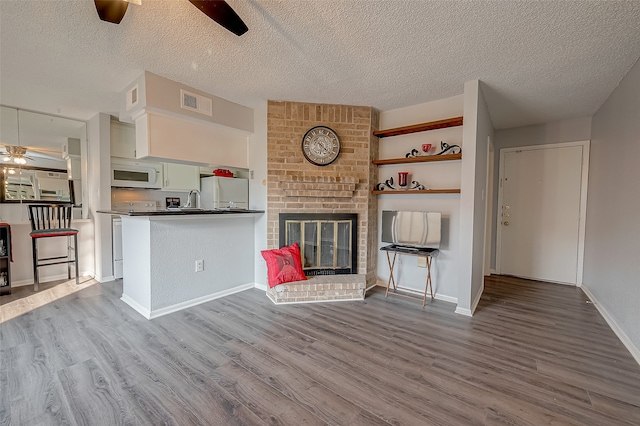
(49, 221)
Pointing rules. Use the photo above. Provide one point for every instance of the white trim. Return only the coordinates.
(492, 271)
(183, 305)
(583, 201)
(474, 305)
(136, 306)
(436, 296)
(464, 311)
(635, 351)
(259, 286)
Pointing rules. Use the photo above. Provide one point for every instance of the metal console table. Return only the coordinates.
(392, 288)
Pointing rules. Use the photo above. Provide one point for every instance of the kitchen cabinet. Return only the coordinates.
(168, 137)
(123, 139)
(180, 177)
(422, 127)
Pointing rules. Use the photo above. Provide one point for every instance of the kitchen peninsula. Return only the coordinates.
(176, 259)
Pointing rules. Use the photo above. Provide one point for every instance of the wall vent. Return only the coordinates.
(196, 103)
(132, 97)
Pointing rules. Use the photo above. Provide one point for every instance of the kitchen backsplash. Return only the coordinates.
(119, 195)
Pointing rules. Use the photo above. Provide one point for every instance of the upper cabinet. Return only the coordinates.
(123, 139)
(180, 177)
(166, 137)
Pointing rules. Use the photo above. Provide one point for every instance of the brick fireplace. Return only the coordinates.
(296, 186)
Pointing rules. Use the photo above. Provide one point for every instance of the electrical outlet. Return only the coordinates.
(422, 261)
(199, 265)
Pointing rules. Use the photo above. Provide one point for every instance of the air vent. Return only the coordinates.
(196, 103)
(132, 97)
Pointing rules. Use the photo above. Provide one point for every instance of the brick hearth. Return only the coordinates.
(321, 288)
(295, 185)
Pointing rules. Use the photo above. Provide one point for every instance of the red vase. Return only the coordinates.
(403, 177)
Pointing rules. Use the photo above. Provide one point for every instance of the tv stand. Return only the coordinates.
(392, 288)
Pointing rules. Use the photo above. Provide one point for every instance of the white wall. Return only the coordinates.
(258, 189)
(99, 187)
(571, 130)
(476, 131)
(612, 242)
(432, 175)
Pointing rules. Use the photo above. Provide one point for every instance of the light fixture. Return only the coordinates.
(15, 154)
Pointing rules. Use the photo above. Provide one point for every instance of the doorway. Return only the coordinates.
(541, 216)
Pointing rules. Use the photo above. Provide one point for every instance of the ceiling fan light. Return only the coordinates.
(6, 158)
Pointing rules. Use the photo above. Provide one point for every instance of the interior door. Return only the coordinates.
(540, 213)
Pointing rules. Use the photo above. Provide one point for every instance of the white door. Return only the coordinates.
(541, 225)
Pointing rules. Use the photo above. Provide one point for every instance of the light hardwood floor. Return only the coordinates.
(534, 353)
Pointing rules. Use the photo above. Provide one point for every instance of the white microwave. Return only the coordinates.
(136, 174)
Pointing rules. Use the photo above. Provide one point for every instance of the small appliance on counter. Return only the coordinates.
(224, 193)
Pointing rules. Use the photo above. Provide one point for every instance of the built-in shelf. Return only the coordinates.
(421, 159)
(422, 127)
(417, 191)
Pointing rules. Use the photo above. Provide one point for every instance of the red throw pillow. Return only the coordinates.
(284, 265)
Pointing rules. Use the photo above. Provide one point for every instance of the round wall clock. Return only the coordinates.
(321, 146)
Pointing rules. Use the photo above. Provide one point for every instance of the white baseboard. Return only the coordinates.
(136, 306)
(183, 305)
(474, 305)
(259, 286)
(436, 296)
(635, 351)
(464, 311)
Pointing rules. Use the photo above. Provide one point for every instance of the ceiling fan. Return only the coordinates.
(18, 154)
(219, 10)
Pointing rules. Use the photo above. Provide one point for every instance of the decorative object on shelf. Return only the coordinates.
(402, 179)
(426, 147)
(388, 184)
(321, 146)
(416, 185)
(449, 149)
(412, 154)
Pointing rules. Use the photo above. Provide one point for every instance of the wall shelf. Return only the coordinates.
(422, 127)
(421, 159)
(417, 191)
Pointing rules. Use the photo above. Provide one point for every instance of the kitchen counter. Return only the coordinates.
(179, 212)
(175, 259)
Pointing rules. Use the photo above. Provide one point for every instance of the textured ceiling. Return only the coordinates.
(541, 61)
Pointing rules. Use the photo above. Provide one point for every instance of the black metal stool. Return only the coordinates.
(52, 221)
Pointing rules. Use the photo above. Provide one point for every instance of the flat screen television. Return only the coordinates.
(411, 229)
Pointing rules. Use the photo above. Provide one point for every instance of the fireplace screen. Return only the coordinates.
(327, 241)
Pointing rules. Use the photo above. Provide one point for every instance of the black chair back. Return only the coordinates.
(49, 216)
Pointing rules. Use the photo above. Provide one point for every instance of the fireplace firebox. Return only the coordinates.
(328, 241)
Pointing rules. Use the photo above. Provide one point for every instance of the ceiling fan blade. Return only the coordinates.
(111, 10)
(222, 13)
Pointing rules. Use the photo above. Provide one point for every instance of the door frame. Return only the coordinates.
(583, 199)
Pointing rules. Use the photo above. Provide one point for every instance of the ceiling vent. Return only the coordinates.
(132, 97)
(196, 103)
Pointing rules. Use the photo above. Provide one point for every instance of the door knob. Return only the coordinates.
(506, 223)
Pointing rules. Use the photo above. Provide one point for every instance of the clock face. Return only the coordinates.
(321, 146)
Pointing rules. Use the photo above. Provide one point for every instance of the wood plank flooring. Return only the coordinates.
(533, 354)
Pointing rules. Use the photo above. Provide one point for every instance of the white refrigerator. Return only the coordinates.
(222, 192)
